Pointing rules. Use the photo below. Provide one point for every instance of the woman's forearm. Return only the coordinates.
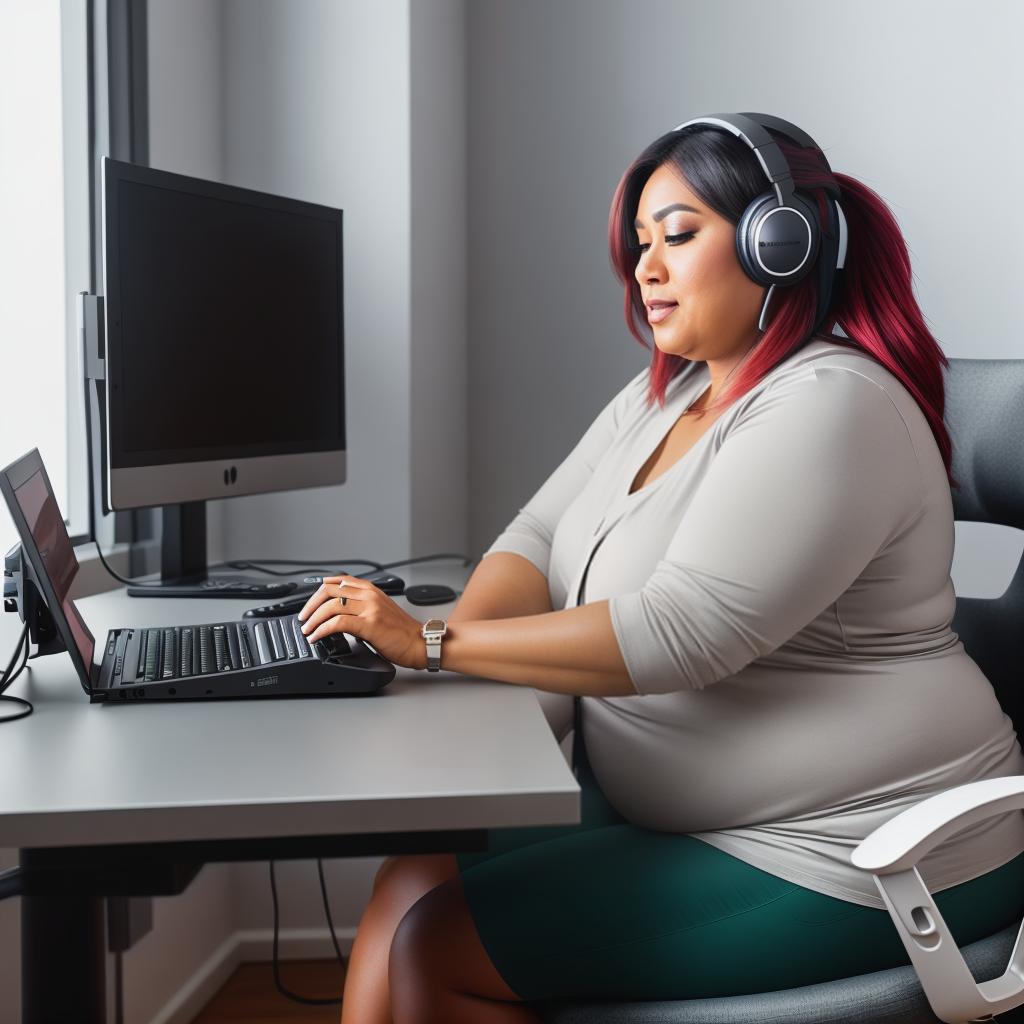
(503, 586)
(571, 651)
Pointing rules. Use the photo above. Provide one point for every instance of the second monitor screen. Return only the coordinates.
(229, 328)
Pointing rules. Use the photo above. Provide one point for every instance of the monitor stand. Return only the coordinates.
(183, 571)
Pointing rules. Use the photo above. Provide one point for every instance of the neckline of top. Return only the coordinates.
(702, 375)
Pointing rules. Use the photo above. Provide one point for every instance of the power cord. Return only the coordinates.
(334, 940)
(301, 565)
(258, 564)
(304, 565)
(10, 674)
(217, 565)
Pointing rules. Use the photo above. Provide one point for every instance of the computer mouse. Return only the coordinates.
(332, 647)
(430, 593)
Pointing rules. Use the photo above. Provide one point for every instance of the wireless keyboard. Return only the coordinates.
(268, 657)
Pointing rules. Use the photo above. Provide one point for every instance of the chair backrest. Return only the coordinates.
(985, 418)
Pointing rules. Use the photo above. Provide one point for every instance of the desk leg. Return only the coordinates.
(63, 931)
(63, 974)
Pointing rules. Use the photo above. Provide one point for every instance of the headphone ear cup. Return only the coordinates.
(790, 237)
(810, 210)
(745, 247)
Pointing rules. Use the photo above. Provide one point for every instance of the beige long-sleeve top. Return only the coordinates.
(783, 602)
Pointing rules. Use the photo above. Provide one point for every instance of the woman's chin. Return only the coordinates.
(672, 346)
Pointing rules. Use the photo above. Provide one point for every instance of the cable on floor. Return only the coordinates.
(334, 940)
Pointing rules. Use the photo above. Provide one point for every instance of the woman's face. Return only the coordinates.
(688, 257)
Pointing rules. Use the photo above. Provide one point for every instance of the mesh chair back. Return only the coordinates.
(985, 417)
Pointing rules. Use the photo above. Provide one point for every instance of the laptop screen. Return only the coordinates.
(49, 536)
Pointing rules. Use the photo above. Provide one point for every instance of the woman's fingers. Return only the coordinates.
(330, 588)
(344, 604)
(328, 610)
(330, 624)
(349, 604)
(350, 581)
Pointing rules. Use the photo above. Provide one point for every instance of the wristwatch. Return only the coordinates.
(433, 630)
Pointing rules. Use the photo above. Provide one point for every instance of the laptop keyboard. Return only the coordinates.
(171, 653)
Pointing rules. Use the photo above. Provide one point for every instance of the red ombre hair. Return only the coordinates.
(872, 299)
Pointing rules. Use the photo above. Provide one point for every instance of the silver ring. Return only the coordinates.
(344, 600)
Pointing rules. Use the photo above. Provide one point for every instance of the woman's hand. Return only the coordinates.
(350, 604)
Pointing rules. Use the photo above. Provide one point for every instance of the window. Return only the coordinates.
(44, 245)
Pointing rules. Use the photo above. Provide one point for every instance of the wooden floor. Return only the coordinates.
(250, 994)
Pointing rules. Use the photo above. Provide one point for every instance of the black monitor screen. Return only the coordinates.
(224, 322)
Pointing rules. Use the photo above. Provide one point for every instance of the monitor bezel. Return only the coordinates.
(207, 476)
(11, 478)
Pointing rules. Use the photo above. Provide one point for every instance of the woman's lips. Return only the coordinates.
(659, 313)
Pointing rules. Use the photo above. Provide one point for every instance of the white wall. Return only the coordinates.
(913, 98)
(439, 348)
(316, 106)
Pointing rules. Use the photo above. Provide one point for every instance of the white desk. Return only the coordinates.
(131, 799)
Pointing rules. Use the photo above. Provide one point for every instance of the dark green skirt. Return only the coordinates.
(606, 909)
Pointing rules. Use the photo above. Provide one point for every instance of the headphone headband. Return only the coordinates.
(779, 234)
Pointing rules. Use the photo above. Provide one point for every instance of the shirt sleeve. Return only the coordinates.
(531, 531)
(811, 482)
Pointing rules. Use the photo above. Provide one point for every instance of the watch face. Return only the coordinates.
(434, 625)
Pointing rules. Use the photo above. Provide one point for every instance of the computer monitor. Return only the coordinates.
(223, 348)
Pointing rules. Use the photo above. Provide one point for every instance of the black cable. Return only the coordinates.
(118, 989)
(256, 565)
(10, 674)
(302, 565)
(123, 579)
(341, 960)
(327, 911)
(6, 679)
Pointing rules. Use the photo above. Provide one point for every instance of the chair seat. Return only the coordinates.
(894, 996)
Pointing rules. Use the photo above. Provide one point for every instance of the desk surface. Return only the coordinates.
(429, 752)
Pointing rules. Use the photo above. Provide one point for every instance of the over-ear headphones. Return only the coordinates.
(779, 237)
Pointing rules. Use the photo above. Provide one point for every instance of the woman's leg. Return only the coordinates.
(400, 882)
(440, 972)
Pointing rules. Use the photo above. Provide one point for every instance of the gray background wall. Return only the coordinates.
(475, 146)
(562, 96)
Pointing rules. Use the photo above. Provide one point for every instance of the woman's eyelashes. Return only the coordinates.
(670, 239)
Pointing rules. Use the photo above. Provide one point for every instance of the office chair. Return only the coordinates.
(985, 418)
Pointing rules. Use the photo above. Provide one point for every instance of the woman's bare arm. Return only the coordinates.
(503, 586)
(570, 651)
(503, 628)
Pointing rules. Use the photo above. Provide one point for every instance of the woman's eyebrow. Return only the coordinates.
(662, 214)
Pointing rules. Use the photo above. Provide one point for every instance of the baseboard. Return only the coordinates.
(244, 946)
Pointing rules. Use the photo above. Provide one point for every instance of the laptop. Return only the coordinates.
(208, 661)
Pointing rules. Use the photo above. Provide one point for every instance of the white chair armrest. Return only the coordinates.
(891, 854)
(904, 840)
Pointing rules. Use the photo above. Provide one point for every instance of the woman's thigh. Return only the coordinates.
(607, 909)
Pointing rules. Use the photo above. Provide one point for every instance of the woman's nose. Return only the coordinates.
(650, 267)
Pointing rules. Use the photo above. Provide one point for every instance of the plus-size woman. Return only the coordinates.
(742, 572)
